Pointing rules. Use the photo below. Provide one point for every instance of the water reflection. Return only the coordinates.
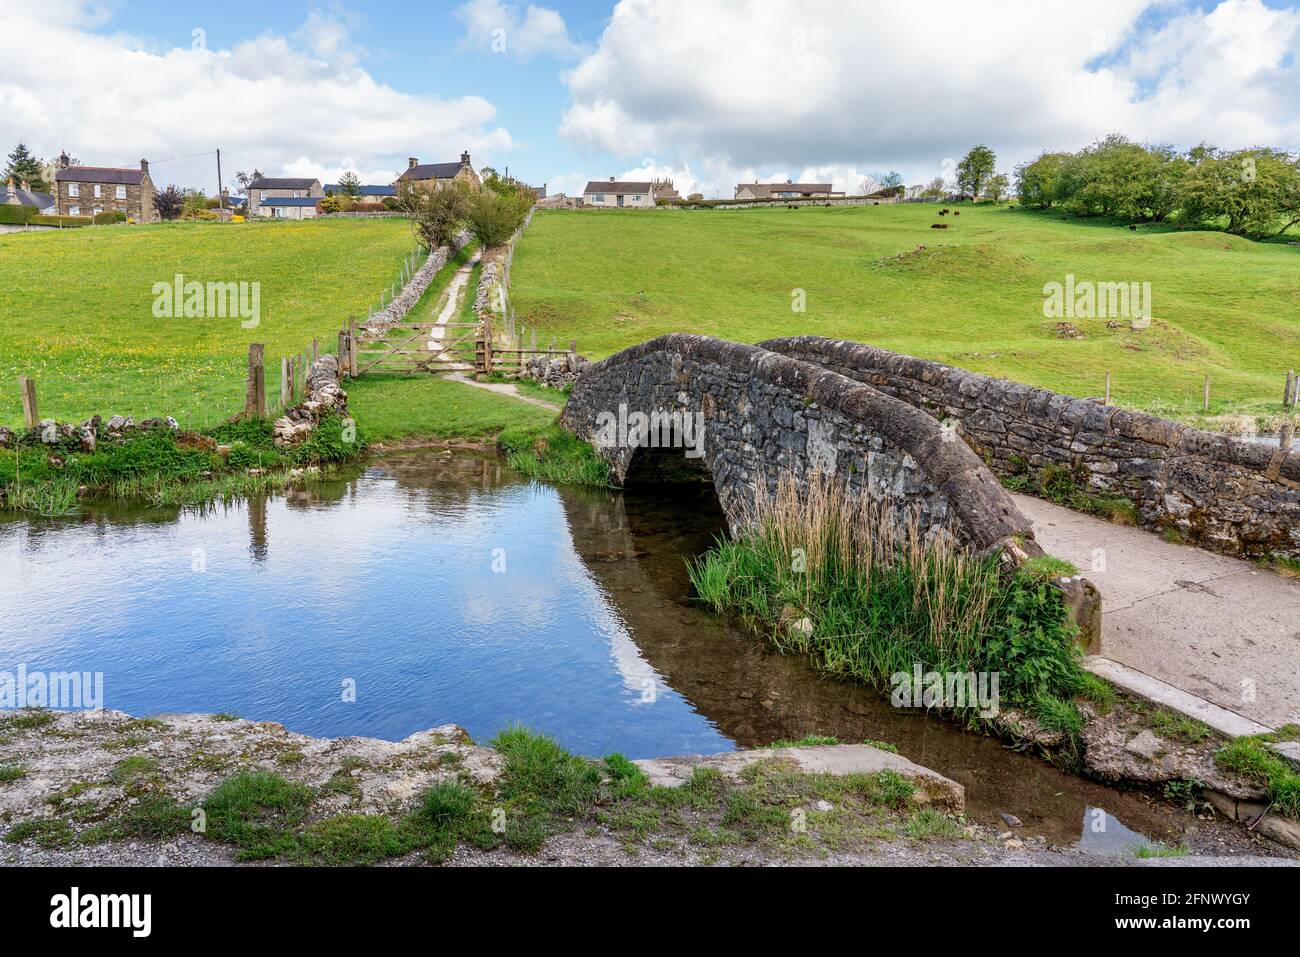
(451, 590)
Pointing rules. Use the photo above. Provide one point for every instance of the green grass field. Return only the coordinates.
(1223, 306)
(78, 310)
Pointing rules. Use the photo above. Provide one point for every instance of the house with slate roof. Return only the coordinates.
(88, 190)
(436, 174)
(786, 190)
(23, 195)
(615, 193)
(284, 197)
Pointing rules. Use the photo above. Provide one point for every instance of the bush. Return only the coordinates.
(493, 217)
(110, 216)
(16, 215)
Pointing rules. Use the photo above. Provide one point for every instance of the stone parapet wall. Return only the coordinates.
(1223, 493)
(765, 414)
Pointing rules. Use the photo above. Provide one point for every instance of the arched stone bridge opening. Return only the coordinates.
(741, 416)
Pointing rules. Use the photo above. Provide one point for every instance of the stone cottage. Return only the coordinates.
(284, 197)
(88, 190)
(436, 174)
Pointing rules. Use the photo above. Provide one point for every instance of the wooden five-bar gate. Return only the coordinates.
(432, 347)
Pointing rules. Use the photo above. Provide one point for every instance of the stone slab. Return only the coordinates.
(838, 759)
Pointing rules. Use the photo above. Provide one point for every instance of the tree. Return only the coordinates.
(891, 179)
(934, 190)
(246, 179)
(194, 204)
(974, 170)
(22, 166)
(1255, 191)
(169, 202)
(493, 216)
(1038, 183)
(997, 186)
(437, 212)
(350, 184)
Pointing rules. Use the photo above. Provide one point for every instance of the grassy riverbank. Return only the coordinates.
(867, 596)
(973, 296)
(163, 466)
(265, 794)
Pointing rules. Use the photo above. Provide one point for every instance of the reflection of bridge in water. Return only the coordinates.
(635, 544)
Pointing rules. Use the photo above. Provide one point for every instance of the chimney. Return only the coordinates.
(26, 186)
(464, 159)
(9, 192)
(412, 162)
(144, 166)
(64, 162)
(611, 179)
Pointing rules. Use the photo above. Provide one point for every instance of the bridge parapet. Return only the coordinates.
(759, 414)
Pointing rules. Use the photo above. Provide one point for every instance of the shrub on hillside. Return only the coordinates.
(109, 216)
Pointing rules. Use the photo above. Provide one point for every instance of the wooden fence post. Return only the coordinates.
(31, 414)
(343, 354)
(286, 384)
(1108, 388)
(1289, 394)
(315, 350)
(255, 400)
(352, 347)
(1205, 396)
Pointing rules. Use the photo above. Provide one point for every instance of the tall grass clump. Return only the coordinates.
(865, 591)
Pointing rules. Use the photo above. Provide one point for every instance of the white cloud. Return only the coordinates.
(297, 104)
(503, 28)
(764, 86)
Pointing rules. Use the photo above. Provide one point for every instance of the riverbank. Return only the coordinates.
(107, 788)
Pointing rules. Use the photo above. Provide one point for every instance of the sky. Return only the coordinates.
(706, 92)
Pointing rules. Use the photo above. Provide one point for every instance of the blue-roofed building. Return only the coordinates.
(371, 193)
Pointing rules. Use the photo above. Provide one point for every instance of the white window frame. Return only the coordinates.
(121, 192)
(74, 190)
(99, 191)
(98, 210)
(74, 210)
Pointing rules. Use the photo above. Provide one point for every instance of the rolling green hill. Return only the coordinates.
(1222, 306)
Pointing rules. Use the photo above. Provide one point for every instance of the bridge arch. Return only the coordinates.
(759, 414)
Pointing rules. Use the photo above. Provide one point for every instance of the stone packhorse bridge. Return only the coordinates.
(763, 414)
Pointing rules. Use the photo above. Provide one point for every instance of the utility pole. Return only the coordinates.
(221, 199)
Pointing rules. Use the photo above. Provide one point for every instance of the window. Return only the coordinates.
(121, 192)
(74, 210)
(597, 197)
(297, 194)
(261, 195)
(97, 191)
(636, 198)
(74, 189)
(98, 210)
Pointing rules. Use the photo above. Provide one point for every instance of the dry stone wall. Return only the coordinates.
(1227, 494)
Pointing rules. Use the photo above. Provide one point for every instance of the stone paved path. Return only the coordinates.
(1218, 628)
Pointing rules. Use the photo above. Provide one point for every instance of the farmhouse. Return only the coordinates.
(437, 174)
(619, 194)
(284, 198)
(23, 195)
(88, 190)
(786, 190)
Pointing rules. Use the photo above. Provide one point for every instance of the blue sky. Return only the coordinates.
(709, 92)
